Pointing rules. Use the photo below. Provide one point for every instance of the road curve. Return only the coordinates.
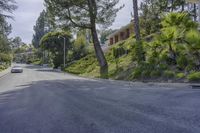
(43, 101)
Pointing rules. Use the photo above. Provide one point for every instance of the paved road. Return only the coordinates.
(43, 101)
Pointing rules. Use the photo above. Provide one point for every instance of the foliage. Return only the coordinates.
(138, 53)
(77, 13)
(16, 43)
(155, 74)
(182, 62)
(42, 27)
(54, 43)
(194, 77)
(152, 11)
(86, 64)
(193, 45)
(4, 45)
(137, 73)
(5, 27)
(180, 75)
(180, 20)
(171, 54)
(119, 51)
(7, 6)
(5, 58)
(168, 74)
(80, 47)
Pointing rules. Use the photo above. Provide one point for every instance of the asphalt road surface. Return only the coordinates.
(43, 101)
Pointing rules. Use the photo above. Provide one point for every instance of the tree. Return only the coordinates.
(4, 45)
(175, 26)
(152, 11)
(193, 46)
(138, 48)
(5, 28)
(136, 21)
(80, 46)
(7, 6)
(16, 42)
(86, 14)
(42, 27)
(53, 44)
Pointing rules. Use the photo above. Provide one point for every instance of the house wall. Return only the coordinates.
(122, 34)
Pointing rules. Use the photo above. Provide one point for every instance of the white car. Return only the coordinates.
(17, 69)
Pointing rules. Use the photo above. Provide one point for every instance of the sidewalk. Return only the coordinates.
(5, 72)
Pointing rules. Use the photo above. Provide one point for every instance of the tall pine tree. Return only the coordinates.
(87, 14)
(42, 27)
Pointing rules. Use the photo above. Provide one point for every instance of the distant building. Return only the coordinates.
(122, 34)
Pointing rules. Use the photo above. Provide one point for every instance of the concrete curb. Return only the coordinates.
(138, 83)
(135, 83)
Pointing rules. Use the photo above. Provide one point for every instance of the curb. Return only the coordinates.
(136, 83)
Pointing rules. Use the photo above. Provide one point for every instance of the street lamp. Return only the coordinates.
(64, 49)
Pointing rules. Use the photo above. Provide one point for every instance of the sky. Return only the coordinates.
(29, 10)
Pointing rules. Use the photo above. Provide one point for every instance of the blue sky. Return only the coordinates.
(29, 10)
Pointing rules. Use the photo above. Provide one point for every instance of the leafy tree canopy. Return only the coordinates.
(53, 41)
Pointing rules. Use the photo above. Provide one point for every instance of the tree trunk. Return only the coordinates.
(98, 50)
(136, 21)
(183, 7)
(172, 5)
(139, 51)
(99, 53)
(195, 12)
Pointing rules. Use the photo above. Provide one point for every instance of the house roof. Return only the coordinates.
(120, 30)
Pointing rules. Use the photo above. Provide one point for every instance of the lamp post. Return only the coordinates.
(64, 50)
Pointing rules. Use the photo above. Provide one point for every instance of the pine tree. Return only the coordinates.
(86, 14)
(41, 28)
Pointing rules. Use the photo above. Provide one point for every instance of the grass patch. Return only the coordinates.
(194, 77)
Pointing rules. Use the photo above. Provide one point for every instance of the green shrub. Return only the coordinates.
(147, 66)
(37, 62)
(191, 66)
(194, 77)
(146, 74)
(180, 75)
(5, 58)
(163, 67)
(118, 52)
(137, 73)
(182, 62)
(155, 74)
(3, 67)
(138, 53)
(168, 74)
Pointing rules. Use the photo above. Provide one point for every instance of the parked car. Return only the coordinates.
(17, 69)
